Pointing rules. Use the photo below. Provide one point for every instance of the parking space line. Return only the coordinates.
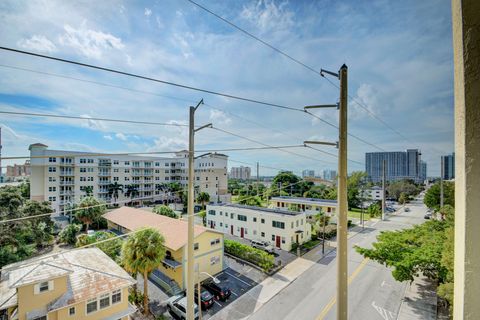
(217, 303)
(231, 275)
(236, 295)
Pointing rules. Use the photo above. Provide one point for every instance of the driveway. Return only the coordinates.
(281, 256)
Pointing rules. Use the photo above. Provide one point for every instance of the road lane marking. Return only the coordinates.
(384, 313)
(332, 302)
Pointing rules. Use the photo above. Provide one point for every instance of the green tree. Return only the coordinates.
(89, 210)
(88, 191)
(407, 187)
(165, 211)
(432, 196)
(403, 198)
(143, 252)
(203, 198)
(25, 190)
(69, 234)
(114, 189)
(112, 247)
(285, 178)
(374, 210)
(131, 191)
(250, 201)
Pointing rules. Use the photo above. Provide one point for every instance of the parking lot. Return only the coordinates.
(238, 277)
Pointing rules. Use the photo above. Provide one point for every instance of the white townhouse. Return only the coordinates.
(280, 227)
(61, 177)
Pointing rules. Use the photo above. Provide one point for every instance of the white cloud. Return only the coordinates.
(90, 43)
(267, 15)
(92, 124)
(219, 117)
(121, 136)
(38, 43)
(108, 137)
(167, 144)
(148, 12)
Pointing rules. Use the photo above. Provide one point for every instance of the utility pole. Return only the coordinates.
(190, 230)
(384, 169)
(342, 207)
(342, 245)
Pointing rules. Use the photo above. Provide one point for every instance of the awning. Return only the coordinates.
(172, 263)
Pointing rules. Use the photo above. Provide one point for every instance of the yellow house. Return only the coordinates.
(77, 284)
(171, 275)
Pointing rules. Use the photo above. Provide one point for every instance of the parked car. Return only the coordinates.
(219, 291)
(206, 299)
(406, 209)
(428, 216)
(263, 245)
(177, 307)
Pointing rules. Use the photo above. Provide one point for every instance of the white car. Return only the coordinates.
(262, 245)
(177, 306)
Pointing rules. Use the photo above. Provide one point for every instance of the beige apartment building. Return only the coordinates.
(18, 170)
(78, 284)
(279, 227)
(61, 176)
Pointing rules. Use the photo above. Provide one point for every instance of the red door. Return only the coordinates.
(241, 232)
(231, 230)
(277, 242)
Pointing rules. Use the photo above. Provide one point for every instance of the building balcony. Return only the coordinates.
(104, 164)
(104, 174)
(104, 182)
(67, 193)
(67, 183)
(67, 173)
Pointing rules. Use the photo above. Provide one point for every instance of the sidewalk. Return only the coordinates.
(420, 301)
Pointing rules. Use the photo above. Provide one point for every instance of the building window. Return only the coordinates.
(278, 224)
(254, 219)
(52, 189)
(52, 179)
(115, 170)
(263, 234)
(273, 237)
(232, 215)
(91, 305)
(52, 159)
(254, 232)
(242, 217)
(71, 311)
(89, 160)
(83, 169)
(214, 260)
(195, 246)
(104, 301)
(292, 225)
(262, 221)
(211, 212)
(127, 163)
(115, 161)
(43, 287)
(83, 160)
(283, 239)
(215, 241)
(40, 318)
(52, 169)
(221, 224)
(116, 296)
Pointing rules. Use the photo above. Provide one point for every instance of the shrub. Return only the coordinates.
(165, 211)
(135, 297)
(69, 234)
(253, 255)
(330, 232)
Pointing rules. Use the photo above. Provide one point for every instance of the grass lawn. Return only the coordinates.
(356, 213)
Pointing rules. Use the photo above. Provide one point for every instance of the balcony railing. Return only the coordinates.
(67, 183)
(67, 173)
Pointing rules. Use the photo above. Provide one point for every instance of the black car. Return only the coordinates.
(206, 299)
(219, 291)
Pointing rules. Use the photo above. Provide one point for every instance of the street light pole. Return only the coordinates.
(342, 268)
(384, 173)
(442, 173)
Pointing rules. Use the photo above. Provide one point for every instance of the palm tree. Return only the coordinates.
(203, 198)
(92, 209)
(132, 191)
(142, 253)
(88, 191)
(113, 189)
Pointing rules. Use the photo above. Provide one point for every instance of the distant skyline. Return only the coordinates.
(399, 56)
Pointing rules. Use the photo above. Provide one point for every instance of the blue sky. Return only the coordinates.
(399, 55)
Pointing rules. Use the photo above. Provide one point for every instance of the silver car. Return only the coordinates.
(262, 245)
(177, 306)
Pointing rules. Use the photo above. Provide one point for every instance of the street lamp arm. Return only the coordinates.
(209, 125)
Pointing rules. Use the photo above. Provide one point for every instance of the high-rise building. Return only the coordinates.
(241, 173)
(423, 170)
(329, 175)
(18, 170)
(449, 167)
(62, 177)
(308, 173)
(399, 165)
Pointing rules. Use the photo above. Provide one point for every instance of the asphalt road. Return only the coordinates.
(373, 293)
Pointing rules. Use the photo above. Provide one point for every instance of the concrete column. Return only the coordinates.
(466, 45)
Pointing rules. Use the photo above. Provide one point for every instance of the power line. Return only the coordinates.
(148, 153)
(255, 37)
(226, 95)
(180, 99)
(47, 115)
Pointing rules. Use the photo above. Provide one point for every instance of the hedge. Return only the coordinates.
(256, 256)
